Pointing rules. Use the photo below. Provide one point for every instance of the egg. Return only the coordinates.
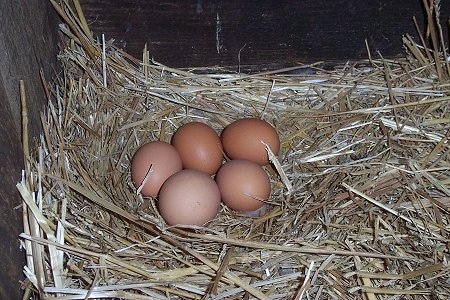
(157, 161)
(199, 147)
(243, 139)
(243, 185)
(189, 197)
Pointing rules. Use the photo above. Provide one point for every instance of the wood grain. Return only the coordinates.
(206, 33)
(28, 43)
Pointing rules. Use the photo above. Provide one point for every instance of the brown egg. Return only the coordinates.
(189, 197)
(243, 139)
(243, 185)
(157, 159)
(199, 146)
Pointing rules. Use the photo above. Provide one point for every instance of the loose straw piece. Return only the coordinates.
(29, 269)
(144, 181)
(273, 159)
(381, 205)
(104, 61)
(25, 144)
(221, 270)
(306, 282)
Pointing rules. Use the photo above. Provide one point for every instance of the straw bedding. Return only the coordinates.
(361, 187)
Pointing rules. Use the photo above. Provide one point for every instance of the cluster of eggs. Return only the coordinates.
(190, 178)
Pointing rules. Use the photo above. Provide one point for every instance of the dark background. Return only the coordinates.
(178, 34)
(28, 44)
(204, 33)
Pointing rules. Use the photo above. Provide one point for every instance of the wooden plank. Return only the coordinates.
(206, 33)
(28, 42)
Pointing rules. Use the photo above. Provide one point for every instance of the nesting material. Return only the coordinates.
(361, 186)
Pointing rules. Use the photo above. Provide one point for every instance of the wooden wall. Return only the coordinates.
(28, 30)
(204, 33)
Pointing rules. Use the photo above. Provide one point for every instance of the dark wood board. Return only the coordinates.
(28, 43)
(208, 33)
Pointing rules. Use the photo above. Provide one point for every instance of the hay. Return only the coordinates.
(361, 187)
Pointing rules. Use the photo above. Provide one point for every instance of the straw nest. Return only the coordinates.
(361, 187)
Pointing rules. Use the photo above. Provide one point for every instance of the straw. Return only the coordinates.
(360, 200)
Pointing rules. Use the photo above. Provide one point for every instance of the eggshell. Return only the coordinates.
(199, 147)
(159, 158)
(189, 197)
(243, 185)
(243, 139)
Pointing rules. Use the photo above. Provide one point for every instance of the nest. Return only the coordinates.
(361, 186)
